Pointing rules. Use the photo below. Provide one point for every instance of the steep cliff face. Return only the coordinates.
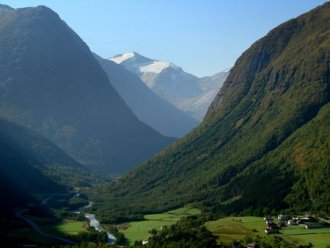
(273, 62)
(263, 140)
(51, 82)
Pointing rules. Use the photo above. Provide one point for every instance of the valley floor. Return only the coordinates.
(139, 230)
(244, 229)
(232, 229)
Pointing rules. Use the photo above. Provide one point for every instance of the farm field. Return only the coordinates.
(231, 229)
(236, 228)
(319, 237)
(67, 227)
(139, 230)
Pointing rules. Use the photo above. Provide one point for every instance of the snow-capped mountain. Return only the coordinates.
(186, 91)
(166, 79)
(140, 64)
(150, 108)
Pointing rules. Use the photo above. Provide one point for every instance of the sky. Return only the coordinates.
(201, 36)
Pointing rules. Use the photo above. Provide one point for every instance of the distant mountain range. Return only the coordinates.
(264, 143)
(145, 104)
(186, 91)
(51, 83)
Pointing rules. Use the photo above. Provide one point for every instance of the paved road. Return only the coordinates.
(20, 214)
(44, 202)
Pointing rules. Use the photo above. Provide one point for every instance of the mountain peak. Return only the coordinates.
(122, 57)
(157, 67)
(42, 11)
(187, 92)
(5, 9)
(140, 64)
(61, 77)
(130, 57)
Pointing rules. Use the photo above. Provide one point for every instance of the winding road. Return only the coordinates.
(93, 222)
(20, 214)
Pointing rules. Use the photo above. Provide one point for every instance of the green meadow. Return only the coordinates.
(67, 227)
(319, 237)
(237, 228)
(139, 230)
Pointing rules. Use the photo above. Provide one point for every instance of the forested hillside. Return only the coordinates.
(263, 144)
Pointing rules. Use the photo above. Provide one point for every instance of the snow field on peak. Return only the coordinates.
(155, 67)
(122, 57)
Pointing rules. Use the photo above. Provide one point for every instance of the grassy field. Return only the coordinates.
(67, 227)
(139, 230)
(237, 228)
(320, 238)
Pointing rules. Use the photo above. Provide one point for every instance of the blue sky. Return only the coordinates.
(201, 36)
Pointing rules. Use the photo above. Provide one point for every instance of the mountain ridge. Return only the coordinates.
(258, 145)
(52, 83)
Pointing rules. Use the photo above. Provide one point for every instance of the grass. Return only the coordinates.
(319, 237)
(67, 227)
(237, 228)
(25, 234)
(139, 230)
